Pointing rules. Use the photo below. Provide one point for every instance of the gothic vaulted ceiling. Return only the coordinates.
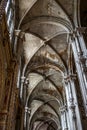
(46, 24)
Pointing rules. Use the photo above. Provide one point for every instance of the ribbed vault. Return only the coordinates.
(46, 25)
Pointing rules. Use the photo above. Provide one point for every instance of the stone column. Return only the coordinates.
(74, 121)
(80, 63)
(19, 39)
(64, 124)
(26, 117)
(22, 87)
(25, 89)
(80, 31)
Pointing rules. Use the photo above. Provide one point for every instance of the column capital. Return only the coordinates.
(77, 32)
(81, 30)
(63, 109)
(83, 60)
(19, 33)
(82, 57)
(69, 77)
(26, 81)
(28, 110)
(23, 79)
(72, 36)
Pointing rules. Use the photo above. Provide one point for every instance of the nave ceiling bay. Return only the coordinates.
(47, 59)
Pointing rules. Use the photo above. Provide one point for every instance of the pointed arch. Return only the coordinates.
(58, 21)
(32, 3)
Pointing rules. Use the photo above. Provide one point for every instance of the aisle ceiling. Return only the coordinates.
(47, 58)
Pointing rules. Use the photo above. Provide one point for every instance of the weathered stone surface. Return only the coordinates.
(39, 65)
